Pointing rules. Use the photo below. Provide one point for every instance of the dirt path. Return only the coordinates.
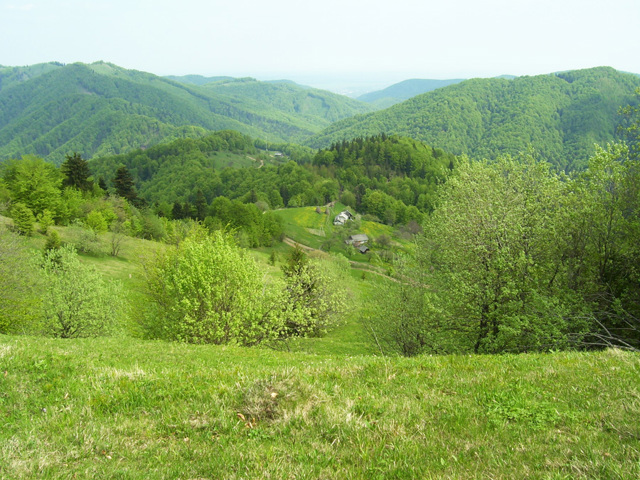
(322, 253)
(256, 160)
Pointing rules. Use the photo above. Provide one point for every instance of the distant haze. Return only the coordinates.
(351, 47)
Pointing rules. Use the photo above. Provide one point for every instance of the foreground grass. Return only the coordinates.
(122, 408)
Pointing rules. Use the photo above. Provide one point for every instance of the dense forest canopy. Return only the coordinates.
(392, 178)
(561, 115)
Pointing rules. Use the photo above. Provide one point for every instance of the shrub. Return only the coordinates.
(78, 301)
(207, 290)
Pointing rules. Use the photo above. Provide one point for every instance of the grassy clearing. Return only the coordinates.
(122, 408)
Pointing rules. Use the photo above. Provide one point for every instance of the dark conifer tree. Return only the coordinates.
(123, 183)
(102, 184)
(201, 206)
(176, 211)
(76, 173)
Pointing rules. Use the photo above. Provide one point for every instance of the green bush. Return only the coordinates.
(78, 301)
(207, 290)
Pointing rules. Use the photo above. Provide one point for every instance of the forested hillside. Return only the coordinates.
(561, 115)
(100, 109)
(404, 90)
(394, 179)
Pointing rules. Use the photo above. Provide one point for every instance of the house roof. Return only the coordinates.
(360, 237)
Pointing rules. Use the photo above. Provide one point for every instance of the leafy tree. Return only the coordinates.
(76, 173)
(96, 222)
(103, 185)
(200, 206)
(35, 183)
(631, 124)
(45, 219)
(315, 294)
(494, 265)
(601, 244)
(207, 290)
(19, 283)
(53, 241)
(78, 301)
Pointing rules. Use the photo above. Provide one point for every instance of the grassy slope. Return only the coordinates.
(127, 408)
(122, 408)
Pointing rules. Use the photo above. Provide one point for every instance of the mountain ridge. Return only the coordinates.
(561, 115)
(101, 109)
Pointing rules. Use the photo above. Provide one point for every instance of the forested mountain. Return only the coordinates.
(561, 115)
(404, 90)
(101, 109)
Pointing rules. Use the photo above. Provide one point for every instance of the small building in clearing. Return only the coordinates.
(343, 217)
(357, 240)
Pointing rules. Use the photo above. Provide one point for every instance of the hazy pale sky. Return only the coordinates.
(374, 40)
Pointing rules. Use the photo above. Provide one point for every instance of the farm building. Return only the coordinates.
(342, 217)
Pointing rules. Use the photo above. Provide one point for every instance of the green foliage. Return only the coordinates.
(53, 241)
(315, 295)
(603, 226)
(630, 125)
(77, 301)
(394, 177)
(207, 290)
(45, 219)
(560, 115)
(516, 258)
(33, 182)
(96, 222)
(76, 173)
(487, 273)
(102, 109)
(84, 240)
(19, 283)
(124, 186)
(23, 219)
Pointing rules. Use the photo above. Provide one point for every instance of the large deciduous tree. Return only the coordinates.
(35, 183)
(488, 275)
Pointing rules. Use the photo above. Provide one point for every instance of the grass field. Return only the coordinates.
(318, 408)
(128, 409)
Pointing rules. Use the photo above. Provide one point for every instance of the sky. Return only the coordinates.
(333, 44)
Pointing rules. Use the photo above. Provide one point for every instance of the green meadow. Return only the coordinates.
(327, 408)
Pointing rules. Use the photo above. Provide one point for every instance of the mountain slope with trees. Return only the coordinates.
(560, 115)
(101, 109)
(404, 90)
